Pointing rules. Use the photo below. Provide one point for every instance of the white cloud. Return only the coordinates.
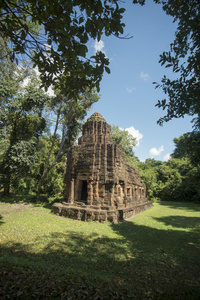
(130, 90)
(135, 133)
(167, 157)
(50, 91)
(99, 46)
(26, 81)
(144, 76)
(155, 152)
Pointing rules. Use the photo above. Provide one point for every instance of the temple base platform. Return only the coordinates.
(83, 212)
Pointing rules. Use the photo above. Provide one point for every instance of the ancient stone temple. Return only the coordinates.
(99, 184)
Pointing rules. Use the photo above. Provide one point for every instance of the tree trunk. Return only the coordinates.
(47, 168)
(44, 175)
(45, 172)
(6, 191)
(6, 162)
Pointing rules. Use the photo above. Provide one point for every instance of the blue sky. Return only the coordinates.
(128, 96)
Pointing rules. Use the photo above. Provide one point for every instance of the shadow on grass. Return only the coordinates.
(191, 223)
(181, 205)
(1, 218)
(140, 262)
(43, 200)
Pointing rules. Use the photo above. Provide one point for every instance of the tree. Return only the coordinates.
(123, 139)
(188, 145)
(23, 118)
(175, 180)
(60, 47)
(53, 182)
(127, 142)
(183, 184)
(187, 149)
(149, 175)
(184, 59)
(21, 125)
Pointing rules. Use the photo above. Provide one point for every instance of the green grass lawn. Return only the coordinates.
(153, 256)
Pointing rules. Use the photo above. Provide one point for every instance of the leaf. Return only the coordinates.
(107, 70)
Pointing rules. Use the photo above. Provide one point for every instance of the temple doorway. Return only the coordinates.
(84, 190)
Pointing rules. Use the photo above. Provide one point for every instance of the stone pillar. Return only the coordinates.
(103, 192)
(112, 195)
(136, 192)
(105, 163)
(90, 193)
(139, 194)
(98, 157)
(96, 195)
(93, 132)
(71, 193)
(100, 141)
(125, 192)
(113, 156)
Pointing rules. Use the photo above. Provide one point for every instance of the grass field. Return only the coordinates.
(156, 255)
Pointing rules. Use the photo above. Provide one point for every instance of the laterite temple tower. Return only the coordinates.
(99, 184)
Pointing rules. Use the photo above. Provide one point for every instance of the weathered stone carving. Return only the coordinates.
(100, 185)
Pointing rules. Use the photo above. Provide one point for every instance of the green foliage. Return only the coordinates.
(127, 142)
(60, 48)
(123, 139)
(175, 180)
(69, 114)
(21, 123)
(23, 119)
(74, 112)
(188, 145)
(179, 178)
(149, 176)
(53, 182)
(184, 59)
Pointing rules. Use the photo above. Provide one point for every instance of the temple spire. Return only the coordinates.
(96, 130)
